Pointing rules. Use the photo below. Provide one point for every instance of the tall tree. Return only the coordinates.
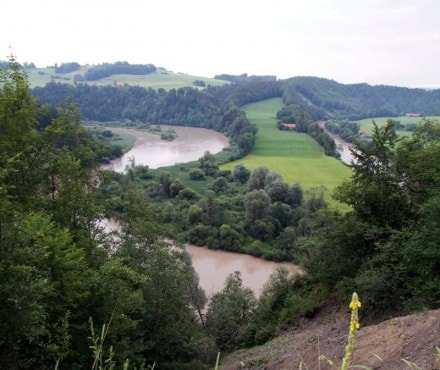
(229, 313)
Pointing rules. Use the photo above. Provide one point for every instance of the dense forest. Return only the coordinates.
(326, 99)
(215, 108)
(75, 296)
(108, 69)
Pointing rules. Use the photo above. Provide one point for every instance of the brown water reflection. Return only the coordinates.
(213, 266)
(150, 150)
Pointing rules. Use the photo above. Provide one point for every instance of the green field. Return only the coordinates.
(160, 79)
(366, 125)
(126, 141)
(296, 156)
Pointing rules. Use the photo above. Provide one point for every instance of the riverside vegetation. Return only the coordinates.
(58, 268)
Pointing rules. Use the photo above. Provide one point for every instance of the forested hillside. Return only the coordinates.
(62, 277)
(306, 99)
(326, 99)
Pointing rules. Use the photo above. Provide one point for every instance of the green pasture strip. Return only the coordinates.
(366, 125)
(309, 172)
(170, 80)
(39, 77)
(161, 79)
(295, 156)
(271, 142)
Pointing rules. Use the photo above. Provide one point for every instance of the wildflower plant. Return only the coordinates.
(355, 304)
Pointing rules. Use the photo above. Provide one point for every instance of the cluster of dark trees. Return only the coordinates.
(245, 78)
(346, 129)
(242, 211)
(67, 67)
(326, 99)
(108, 69)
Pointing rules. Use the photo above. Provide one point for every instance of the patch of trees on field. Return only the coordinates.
(245, 78)
(67, 67)
(108, 69)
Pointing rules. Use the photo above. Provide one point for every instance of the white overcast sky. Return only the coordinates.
(391, 42)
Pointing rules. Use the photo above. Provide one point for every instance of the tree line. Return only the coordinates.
(108, 69)
(216, 108)
(326, 99)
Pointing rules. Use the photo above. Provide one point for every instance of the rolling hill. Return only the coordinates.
(161, 78)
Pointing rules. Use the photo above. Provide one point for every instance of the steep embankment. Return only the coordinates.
(382, 346)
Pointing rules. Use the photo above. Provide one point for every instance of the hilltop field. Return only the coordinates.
(162, 78)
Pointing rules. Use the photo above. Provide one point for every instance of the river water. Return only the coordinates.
(190, 144)
(342, 145)
(213, 266)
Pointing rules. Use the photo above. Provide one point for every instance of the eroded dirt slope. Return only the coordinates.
(382, 346)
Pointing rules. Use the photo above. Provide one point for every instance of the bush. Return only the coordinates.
(196, 174)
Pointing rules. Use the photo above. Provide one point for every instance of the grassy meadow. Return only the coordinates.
(296, 156)
(160, 79)
(366, 125)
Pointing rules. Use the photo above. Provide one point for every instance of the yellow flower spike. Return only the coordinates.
(355, 304)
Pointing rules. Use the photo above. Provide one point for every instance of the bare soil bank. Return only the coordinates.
(382, 346)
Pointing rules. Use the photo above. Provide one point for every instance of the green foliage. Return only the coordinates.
(293, 155)
(344, 128)
(241, 174)
(384, 248)
(197, 174)
(229, 312)
(106, 69)
(58, 268)
(327, 98)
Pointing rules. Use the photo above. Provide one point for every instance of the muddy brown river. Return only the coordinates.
(150, 150)
(213, 266)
